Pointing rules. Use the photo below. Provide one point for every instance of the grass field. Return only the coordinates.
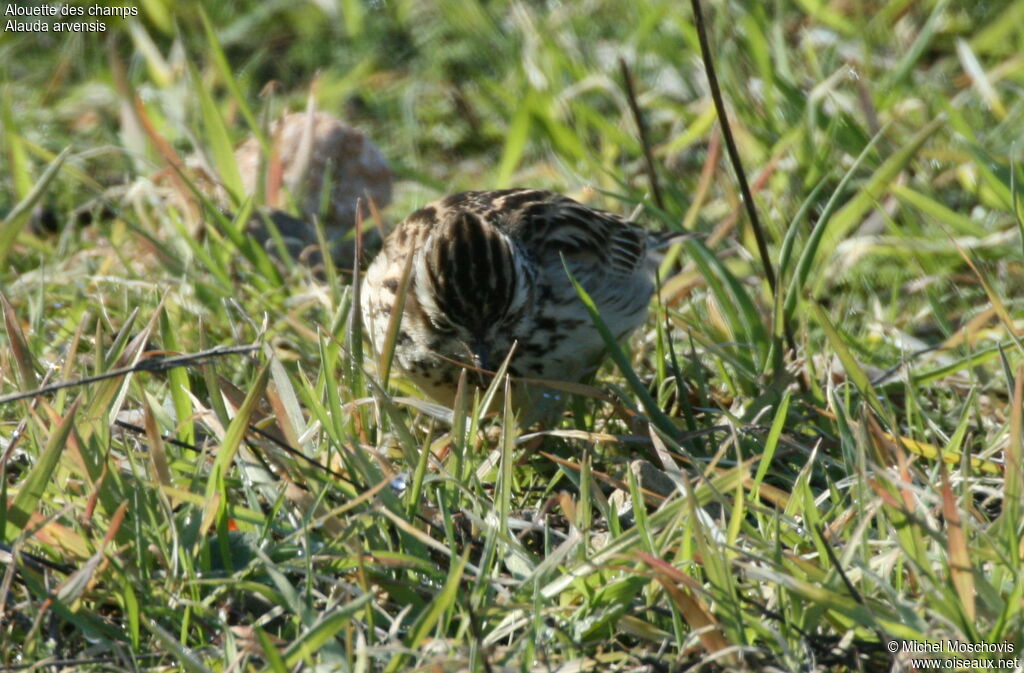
(292, 508)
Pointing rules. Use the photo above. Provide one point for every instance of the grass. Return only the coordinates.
(297, 506)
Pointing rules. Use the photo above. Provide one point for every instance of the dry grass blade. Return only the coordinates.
(19, 348)
(1015, 452)
(693, 609)
(387, 351)
(85, 577)
(961, 571)
(641, 127)
(997, 303)
(175, 166)
(157, 451)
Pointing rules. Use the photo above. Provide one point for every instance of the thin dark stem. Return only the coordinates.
(284, 446)
(148, 365)
(730, 144)
(645, 143)
(65, 663)
(737, 164)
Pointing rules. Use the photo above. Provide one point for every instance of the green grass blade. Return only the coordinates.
(226, 72)
(17, 160)
(15, 221)
(221, 146)
(38, 478)
(657, 416)
(515, 144)
(178, 380)
(233, 436)
(850, 365)
(814, 242)
(323, 632)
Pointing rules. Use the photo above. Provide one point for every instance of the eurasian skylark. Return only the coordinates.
(486, 272)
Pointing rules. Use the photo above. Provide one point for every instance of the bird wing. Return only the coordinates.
(550, 225)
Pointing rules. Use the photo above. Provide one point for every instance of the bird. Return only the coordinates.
(327, 166)
(483, 272)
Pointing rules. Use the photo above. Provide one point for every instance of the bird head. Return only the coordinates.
(471, 282)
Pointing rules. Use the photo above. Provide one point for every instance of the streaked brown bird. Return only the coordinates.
(317, 152)
(486, 272)
(325, 165)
